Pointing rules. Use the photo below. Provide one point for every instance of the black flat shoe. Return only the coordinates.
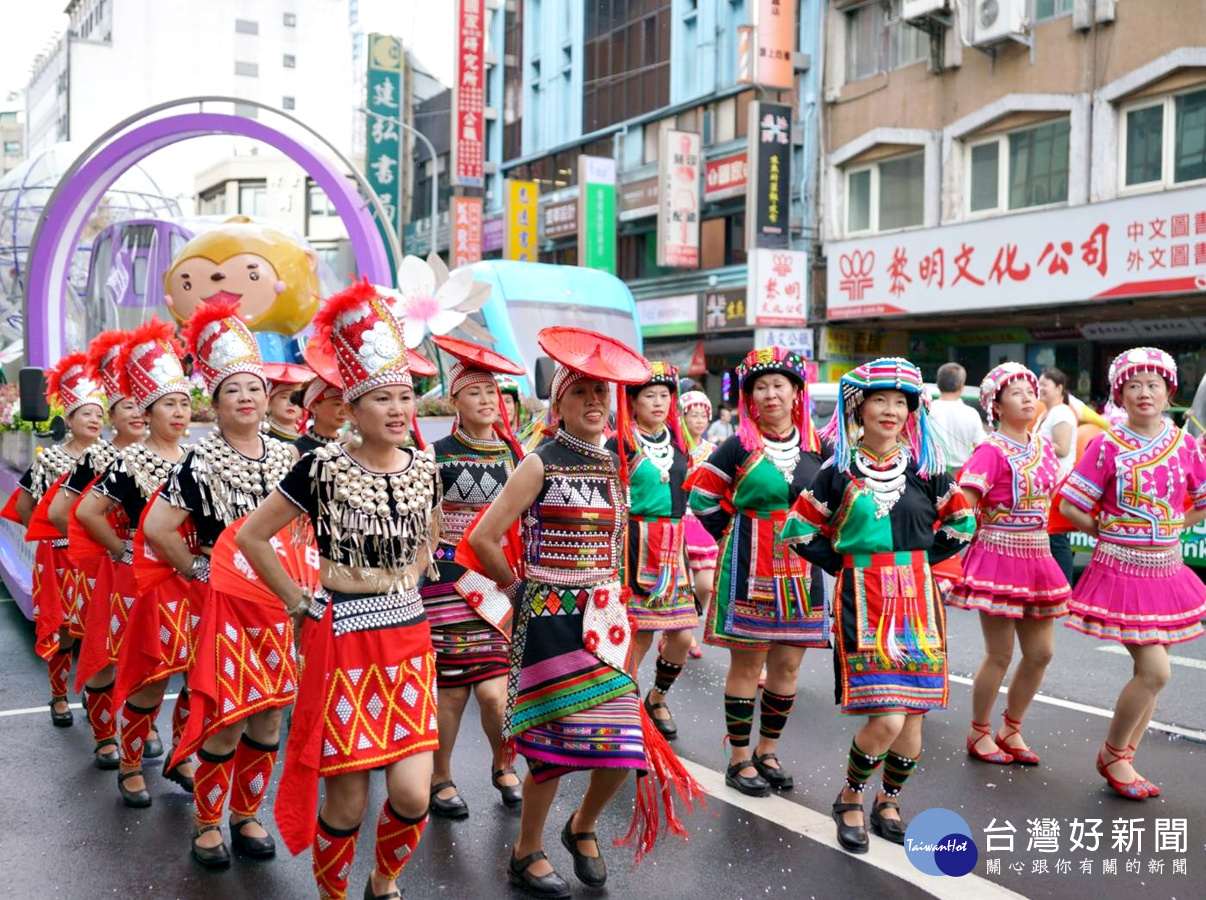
(851, 837)
(512, 796)
(774, 775)
(750, 785)
(454, 807)
(369, 895)
(591, 870)
(666, 726)
(211, 857)
(551, 886)
(153, 748)
(174, 774)
(255, 847)
(109, 760)
(60, 719)
(134, 799)
(889, 829)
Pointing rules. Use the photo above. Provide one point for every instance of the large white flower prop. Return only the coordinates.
(429, 300)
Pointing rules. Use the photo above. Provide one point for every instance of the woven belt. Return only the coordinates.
(366, 612)
(584, 577)
(1156, 558)
(59, 543)
(1007, 539)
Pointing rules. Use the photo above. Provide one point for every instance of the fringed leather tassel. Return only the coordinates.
(671, 777)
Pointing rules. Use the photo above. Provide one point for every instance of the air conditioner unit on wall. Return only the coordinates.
(912, 10)
(997, 20)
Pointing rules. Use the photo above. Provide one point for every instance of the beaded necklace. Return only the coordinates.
(658, 450)
(318, 438)
(882, 477)
(594, 451)
(783, 454)
(232, 485)
(148, 469)
(51, 464)
(490, 445)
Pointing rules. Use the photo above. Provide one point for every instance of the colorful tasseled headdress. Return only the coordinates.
(1141, 359)
(890, 373)
(150, 364)
(996, 380)
(772, 361)
(666, 375)
(68, 384)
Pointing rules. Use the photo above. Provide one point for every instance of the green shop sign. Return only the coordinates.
(1193, 545)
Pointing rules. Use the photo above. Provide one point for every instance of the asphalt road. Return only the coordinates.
(66, 834)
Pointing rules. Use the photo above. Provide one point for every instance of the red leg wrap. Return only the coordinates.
(135, 726)
(58, 667)
(332, 855)
(179, 716)
(253, 764)
(397, 838)
(212, 784)
(100, 714)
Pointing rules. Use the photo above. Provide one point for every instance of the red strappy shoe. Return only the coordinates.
(1133, 789)
(1153, 789)
(1022, 756)
(997, 757)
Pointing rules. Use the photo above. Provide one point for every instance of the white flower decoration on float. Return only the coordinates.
(430, 300)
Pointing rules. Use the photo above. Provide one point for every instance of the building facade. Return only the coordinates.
(12, 133)
(1029, 186)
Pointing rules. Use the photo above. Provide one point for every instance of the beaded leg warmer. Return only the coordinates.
(212, 784)
(331, 856)
(100, 714)
(897, 770)
(738, 719)
(860, 767)
(397, 838)
(773, 715)
(253, 763)
(58, 668)
(179, 716)
(665, 674)
(136, 724)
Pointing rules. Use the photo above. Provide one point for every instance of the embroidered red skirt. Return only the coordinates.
(367, 698)
(244, 662)
(54, 589)
(107, 612)
(156, 643)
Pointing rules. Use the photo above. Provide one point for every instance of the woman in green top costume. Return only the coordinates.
(655, 565)
(761, 607)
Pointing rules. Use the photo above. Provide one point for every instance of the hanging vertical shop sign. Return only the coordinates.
(768, 204)
(382, 159)
(468, 105)
(778, 288)
(466, 230)
(745, 54)
(597, 213)
(519, 220)
(775, 26)
(678, 221)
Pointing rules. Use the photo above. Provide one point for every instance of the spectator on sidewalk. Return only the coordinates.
(958, 425)
(722, 428)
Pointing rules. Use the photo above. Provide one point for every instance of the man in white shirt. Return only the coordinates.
(957, 424)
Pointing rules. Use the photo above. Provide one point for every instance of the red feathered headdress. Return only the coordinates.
(103, 365)
(367, 339)
(68, 384)
(150, 364)
(221, 344)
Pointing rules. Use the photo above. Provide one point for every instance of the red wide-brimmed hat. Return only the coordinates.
(287, 373)
(474, 364)
(420, 365)
(594, 355)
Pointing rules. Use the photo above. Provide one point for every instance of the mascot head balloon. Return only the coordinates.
(272, 278)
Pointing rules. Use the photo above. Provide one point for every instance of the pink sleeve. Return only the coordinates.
(1197, 474)
(982, 468)
(1092, 474)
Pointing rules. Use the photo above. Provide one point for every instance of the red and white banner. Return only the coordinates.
(678, 221)
(777, 288)
(468, 108)
(1137, 247)
(466, 230)
(725, 177)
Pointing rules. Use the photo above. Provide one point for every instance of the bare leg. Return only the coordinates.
(1037, 638)
(103, 677)
(998, 651)
(1137, 702)
(345, 798)
(604, 783)
(537, 800)
(641, 642)
(449, 711)
(492, 701)
(874, 739)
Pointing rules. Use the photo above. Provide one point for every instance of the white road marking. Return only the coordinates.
(820, 828)
(1098, 711)
(1189, 661)
(29, 711)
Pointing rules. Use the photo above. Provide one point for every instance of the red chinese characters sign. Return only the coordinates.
(725, 177)
(467, 230)
(778, 288)
(1136, 247)
(468, 112)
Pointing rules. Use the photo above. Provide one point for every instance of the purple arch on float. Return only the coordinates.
(73, 202)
